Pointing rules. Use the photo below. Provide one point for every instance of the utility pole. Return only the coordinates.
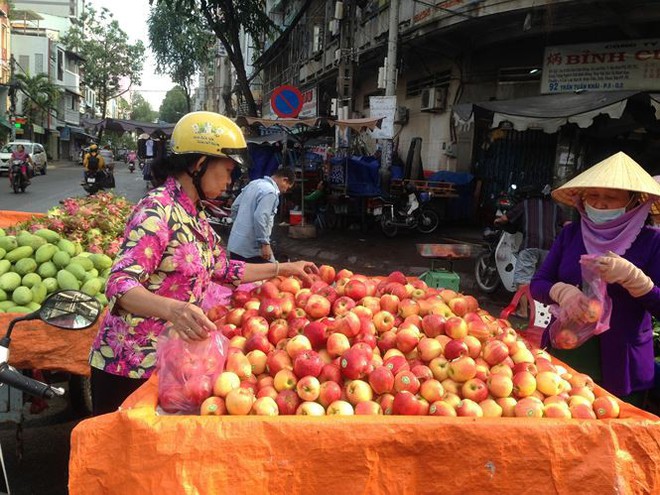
(346, 68)
(12, 97)
(390, 80)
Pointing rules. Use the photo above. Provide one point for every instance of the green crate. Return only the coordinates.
(441, 279)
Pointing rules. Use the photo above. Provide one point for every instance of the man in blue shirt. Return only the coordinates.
(253, 213)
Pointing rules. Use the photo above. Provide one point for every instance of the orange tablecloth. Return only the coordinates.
(135, 451)
(9, 218)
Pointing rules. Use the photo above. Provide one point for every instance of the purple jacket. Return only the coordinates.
(627, 347)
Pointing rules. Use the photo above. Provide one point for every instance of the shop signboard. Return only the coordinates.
(610, 66)
(309, 103)
(383, 106)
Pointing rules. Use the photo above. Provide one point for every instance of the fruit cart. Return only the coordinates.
(360, 454)
(442, 274)
(43, 348)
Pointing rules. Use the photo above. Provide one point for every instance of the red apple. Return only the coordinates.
(308, 388)
(337, 344)
(405, 403)
(462, 369)
(287, 402)
(213, 406)
(407, 339)
(455, 348)
(390, 303)
(406, 380)
(317, 306)
(327, 273)
(354, 363)
(468, 407)
(456, 328)
(528, 407)
(442, 408)
(606, 407)
(369, 408)
(396, 363)
(347, 324)
(329, 392)
(239, 401)
(494, 352)
(458, 305)
(307, 363)
(381, 380)
(474, 389)
(524, 384)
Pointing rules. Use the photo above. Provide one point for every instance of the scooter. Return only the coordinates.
(415, 213)
(97, 181)
(131, 167)
(18, 174)
(496, 265)
(219, 216)
(68, 310)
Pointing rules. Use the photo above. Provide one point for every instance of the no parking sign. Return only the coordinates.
(286, 101)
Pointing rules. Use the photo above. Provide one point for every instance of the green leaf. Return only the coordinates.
(149, 361)
(106, 351)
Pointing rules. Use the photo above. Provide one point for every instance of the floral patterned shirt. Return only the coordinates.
(170, 249)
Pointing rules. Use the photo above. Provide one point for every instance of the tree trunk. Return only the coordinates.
(241, 77)
(104, 108)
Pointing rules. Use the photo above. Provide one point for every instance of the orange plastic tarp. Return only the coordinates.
(136, 451)
(9, 218)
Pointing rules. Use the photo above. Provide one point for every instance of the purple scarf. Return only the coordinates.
(616, 235)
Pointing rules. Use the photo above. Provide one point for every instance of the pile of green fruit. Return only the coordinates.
(34, 265)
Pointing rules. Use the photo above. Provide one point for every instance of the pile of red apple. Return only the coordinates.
(351, 344)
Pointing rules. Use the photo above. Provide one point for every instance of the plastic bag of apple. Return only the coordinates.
(352, 344)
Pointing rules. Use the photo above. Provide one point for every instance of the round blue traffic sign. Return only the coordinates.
(286, 101)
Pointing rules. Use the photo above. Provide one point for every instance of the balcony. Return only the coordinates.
(71, 82)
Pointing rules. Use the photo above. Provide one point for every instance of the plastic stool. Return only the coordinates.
(539, 315)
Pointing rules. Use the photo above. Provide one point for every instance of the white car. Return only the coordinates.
(35, 150)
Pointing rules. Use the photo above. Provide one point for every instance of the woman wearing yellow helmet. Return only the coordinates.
(169, 258)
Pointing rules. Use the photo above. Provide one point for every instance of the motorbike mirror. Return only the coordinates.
(70, 309)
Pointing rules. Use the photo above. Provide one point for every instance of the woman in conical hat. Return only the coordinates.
(614, 199)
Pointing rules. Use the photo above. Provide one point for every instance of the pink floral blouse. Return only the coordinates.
(170, 249)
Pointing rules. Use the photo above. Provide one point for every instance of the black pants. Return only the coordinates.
(253, 259)
(109, 391)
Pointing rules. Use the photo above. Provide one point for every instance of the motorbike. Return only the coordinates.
(18, 175)
(219, 216)
(131, 167)
(409, 212)
(67, 310)
(96, 181)
(495, 265)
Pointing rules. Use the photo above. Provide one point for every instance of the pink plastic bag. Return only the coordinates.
(187, 371)
(567, 334)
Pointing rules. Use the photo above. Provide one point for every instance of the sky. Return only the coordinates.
(132, 17)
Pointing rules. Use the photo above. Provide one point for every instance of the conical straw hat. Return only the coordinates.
(619, 171)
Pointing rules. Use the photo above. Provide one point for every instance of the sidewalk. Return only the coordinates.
(372, 253)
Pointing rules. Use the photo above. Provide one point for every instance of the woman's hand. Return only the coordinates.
(616, 270)
(300, 269)
(573, 304)
(189, 321)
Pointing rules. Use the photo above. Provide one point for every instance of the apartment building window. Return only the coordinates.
(38, 63)
(24, 64)
(60, 65)
(73, 102)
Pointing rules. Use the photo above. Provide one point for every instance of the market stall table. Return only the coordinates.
(136, 451)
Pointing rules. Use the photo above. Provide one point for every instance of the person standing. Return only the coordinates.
(613, 198)
(253, 214)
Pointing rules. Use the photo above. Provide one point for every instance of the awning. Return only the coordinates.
(79, 131)
(550, 112)
(357, 125)
(120, 125)
(268, 139)
(5, 122)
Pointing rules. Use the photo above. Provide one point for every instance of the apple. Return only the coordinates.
(436, 306)
(344, 273)
(258, 360)
(307, 363)
(447, 294)
(329, 293)
(327, 273)
(494, 352)
(462, 369)
(474, 389)
(358, 391)
(308, 388)
(254, 324)
(384, 321)
(213, 406)
(479, 330)
(329, 392)
(342, 305)
(499, 385)
(468, 407)
(235, 316)
(287, 402)
(258, 341)
(267, 391)
(297, 344)
(265, 406)
(422, 372)
(317, 333)
(473, 345)
(363, 313)
(354, 363)
(606, 407)
(381, 380)
(565, 339)
(585, 392)
(432, 390)
(390, 303)
(490, 408)
(543, 364)
(433, 325)
(556, 410)
(531, 367)
(225, 382)
(348, 324)
(407, 339)
(270, 309)
(239, 401)
(340, 408)
(239, 364)
(594, 311)
(405, 403)
(524, 384)
(455, 327)
(529, 407)
(291, 285)
(337, 344)
(501, 369)
(285, 380)
(355, 289)
(330, 372)
(278, 360)
(239, 297)
(439, 367)
(278, 330)
(458, 305)
(368, 408)
(317, 306)
(396, 363)
(548, 383)
(302, 297)
(406, 381)
(582, 411)
(429, 349)
(455, 348)
(442, 408)
(309, 408)
(408, 307)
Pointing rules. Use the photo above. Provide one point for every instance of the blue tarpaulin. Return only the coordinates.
(362, 178)
(460, 208)
(265, 160)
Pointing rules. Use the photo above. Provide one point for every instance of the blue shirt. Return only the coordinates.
(253, 213)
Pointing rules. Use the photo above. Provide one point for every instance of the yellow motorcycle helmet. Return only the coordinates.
(93, 148)
(210, 134)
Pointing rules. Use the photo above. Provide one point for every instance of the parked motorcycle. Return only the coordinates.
(409, 212)
(496, 264)
(219, 216)
(68, 310)
(18, 175)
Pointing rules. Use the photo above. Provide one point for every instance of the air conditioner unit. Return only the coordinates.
(434, 99)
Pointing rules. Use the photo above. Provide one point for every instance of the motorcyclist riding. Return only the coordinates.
(93, 161)
(20, 154)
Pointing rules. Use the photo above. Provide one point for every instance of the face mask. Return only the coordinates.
(603, 216)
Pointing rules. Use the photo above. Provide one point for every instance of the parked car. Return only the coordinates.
(35, 150)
